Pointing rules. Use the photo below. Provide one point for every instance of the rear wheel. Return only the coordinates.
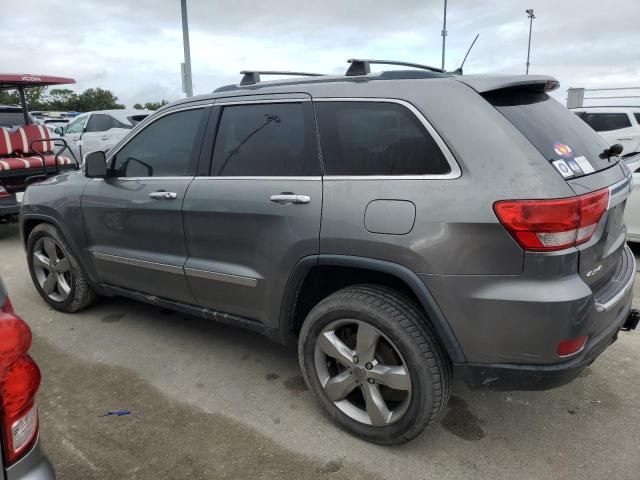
(369, 355)
(55, 271)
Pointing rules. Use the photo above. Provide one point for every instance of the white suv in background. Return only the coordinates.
(615, 124)
(100, 130)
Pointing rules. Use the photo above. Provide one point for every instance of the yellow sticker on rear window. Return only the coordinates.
(562, 149)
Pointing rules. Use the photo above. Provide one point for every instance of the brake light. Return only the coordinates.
(571, 347)
(3, 192)
(548, 225)
(19, 383)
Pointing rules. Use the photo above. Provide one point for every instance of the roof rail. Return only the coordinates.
(363, 66)
(251, 77)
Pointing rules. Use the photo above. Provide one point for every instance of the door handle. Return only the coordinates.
(162, 195)
(104, 138)
(624, 138)
(285, 198)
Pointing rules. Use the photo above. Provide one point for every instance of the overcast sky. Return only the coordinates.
(134, 47)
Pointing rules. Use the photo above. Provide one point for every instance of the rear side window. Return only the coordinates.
(604, 122)
(267, 140)
(100, 122)
(556, 132)
(376, 138)
(136, 119)
(637, 115)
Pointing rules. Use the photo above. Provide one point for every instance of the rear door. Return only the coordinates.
(258, 213)
(133, 218)
(577, 154)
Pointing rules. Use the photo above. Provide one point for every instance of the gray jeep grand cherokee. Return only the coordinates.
(403, 226)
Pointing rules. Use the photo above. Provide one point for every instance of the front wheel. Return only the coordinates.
(370, 357)
(55, 272)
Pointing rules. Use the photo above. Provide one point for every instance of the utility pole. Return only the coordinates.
(531, 17)
(187, 85)
(444, 32)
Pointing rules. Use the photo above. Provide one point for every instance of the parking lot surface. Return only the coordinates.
(212, 401)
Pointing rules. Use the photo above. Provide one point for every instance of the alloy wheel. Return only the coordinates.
(362, 372)
(52, 269)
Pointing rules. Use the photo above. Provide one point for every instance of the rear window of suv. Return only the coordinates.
(556, 132)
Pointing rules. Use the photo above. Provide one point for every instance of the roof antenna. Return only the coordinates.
(458, 71)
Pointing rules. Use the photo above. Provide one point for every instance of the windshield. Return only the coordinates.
(564, 139)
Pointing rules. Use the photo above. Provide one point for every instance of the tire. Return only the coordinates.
(400, 324)
(71, 292)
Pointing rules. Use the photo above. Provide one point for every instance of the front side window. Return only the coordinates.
(604, 122)
(275, 139)
(76, 126)
(163, 149)
(376, 138)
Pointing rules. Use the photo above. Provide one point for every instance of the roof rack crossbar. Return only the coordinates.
(363, 66)
(251, 77)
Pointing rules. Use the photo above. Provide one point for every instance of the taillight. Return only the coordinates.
(19, 383)
(3, 192)
(547, 225)
(571, 347)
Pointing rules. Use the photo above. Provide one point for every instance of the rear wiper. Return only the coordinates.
(613, 151)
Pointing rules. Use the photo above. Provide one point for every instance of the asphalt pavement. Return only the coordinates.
(209, 401)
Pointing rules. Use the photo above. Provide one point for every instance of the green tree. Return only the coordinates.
(97, 99)
(33, 95)
(152, 105)
(137, 106)
(62, 99)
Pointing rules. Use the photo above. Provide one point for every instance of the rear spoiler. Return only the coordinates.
(489, 83)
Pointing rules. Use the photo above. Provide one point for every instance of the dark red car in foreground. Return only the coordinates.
(21, 457)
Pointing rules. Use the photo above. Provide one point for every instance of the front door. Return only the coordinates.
(72, 135)
(258, 214)
(133, 218)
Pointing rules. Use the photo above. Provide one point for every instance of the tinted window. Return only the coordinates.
(163, 149)
(376, 138)
(136, 119)
(100, 122)
(603, 122)
(556, 132)
(266, 140)
(637, 115)
(11, 118)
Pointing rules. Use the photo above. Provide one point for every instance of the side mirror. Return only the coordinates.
(58, 131)
(95, 165)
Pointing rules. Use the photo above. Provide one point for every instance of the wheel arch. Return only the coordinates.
(292, 311)
(31, 221)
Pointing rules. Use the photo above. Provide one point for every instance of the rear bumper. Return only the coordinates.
(541, 377)
(33, 466)
(509, 327)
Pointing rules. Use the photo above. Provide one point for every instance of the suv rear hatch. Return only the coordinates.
(576, 153)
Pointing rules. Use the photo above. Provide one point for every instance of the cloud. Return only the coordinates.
(135, 48)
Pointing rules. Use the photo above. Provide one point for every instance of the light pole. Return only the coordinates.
(444, 32)
(187, 85)
(531, 17)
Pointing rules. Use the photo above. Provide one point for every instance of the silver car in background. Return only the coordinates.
(100, 130)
